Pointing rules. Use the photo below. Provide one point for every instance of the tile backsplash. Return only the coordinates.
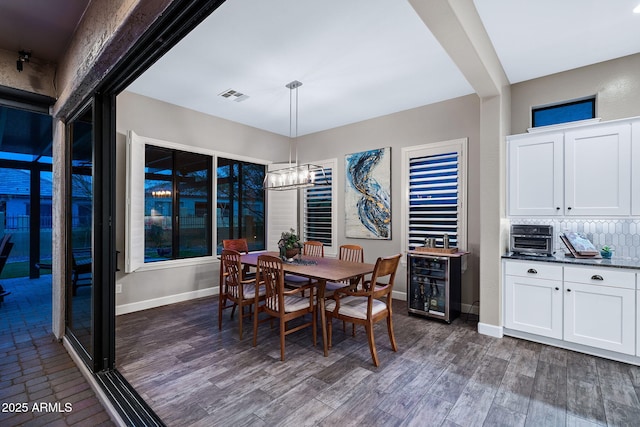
(621, 234)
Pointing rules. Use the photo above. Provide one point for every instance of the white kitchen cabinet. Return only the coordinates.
(635, 168)
(533, 298)
(573, 305)
(597, 172)
(536, 175)
(582, 171)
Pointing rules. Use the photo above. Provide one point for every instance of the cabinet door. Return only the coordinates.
(600, 316)
(533, 305)
(635, 169)
(536, 175)
(598, 170)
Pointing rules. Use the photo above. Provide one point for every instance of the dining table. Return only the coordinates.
(321, 270)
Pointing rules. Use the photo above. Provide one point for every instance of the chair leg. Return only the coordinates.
(313, 327)
(221, 303)
(329, 330)
(282, 333)
(392, 338)
(233, 310)
(353, 329)
(372, 343)
(255, 324)
(240, 319)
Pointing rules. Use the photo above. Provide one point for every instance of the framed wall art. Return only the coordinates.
(368, 194)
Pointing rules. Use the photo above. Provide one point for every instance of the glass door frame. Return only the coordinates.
(103, 256)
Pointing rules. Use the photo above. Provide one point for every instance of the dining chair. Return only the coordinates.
(309, 248)
(368, 305)
(313, 248)
(242, 246)
(353, 253)
(282, 304)
(235, 289)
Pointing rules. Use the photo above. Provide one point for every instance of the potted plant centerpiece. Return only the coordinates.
(289, 243)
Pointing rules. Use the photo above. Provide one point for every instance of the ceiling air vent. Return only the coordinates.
(234, 95)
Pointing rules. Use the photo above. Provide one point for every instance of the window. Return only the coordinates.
(583, 109)
(434, 180)
(318, 213)
(177, 204)
(240, 204)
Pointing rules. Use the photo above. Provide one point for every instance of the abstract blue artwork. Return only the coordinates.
(368, 194)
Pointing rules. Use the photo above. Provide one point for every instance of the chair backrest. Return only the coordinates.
(239, 245)
(353, 253)
(385, 267)
(313, 248)
(231, 271)
(271, 275)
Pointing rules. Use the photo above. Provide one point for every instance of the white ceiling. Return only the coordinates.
(357, 59)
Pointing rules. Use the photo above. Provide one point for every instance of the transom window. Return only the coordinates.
(565, 112)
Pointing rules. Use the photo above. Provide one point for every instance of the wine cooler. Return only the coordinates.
(433, 285)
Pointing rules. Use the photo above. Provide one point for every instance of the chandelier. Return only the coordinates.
(295, 176)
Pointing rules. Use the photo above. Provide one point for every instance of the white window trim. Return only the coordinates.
(408, 153)
(134, 225)
(333, 164)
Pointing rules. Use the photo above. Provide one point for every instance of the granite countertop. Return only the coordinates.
(615, 262)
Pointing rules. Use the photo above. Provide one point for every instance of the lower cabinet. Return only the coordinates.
(534, 304)
(590, 306)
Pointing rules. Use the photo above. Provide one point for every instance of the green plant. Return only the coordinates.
(289, 240)
(606, 249)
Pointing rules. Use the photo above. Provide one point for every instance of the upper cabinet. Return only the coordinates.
(582, 171)
(536, 175)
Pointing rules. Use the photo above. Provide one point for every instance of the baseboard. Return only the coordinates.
(402, 296)
(100, 394)
(491, 330)
(170, 299)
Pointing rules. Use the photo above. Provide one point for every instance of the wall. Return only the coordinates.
(36, 77)
(615, 83)
(452, 119)
(159, 120)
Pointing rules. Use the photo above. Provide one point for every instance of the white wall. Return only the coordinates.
(159, 120)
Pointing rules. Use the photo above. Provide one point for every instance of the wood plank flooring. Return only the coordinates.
(191, 374)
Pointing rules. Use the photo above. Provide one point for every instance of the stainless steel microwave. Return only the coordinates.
(531, 239)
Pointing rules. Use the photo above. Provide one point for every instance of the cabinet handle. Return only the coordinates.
(569, 208)
(568, 290)
(557, 288)
(596, 277)
(558, 208)
(532, 271)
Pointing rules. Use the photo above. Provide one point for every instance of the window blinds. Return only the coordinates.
(433, 198)
(318, 212)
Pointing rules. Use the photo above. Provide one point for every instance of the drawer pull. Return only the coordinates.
(532, 271)
(568, 290)
(596, 277)
(557, 288)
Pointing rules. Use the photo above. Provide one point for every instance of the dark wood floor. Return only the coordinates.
(442, 375)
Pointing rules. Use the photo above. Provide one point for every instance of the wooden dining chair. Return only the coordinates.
(368, 305)
(309, 248)
(242, 246)
(285, 305)
(313, 248)
(235, 289)
(353, 253)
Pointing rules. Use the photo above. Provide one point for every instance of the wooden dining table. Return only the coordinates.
(320, 269)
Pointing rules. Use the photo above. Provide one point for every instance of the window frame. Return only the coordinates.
(561, 105)
(331, 250)
(408, 153)
(135, 191)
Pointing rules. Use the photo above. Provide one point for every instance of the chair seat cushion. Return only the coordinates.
(292, 279)
(249, 291)
(355, 307)
(291, 303)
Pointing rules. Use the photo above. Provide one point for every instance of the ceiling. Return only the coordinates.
(357, 59)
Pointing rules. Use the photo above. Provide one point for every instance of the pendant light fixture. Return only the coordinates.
(295, 176)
